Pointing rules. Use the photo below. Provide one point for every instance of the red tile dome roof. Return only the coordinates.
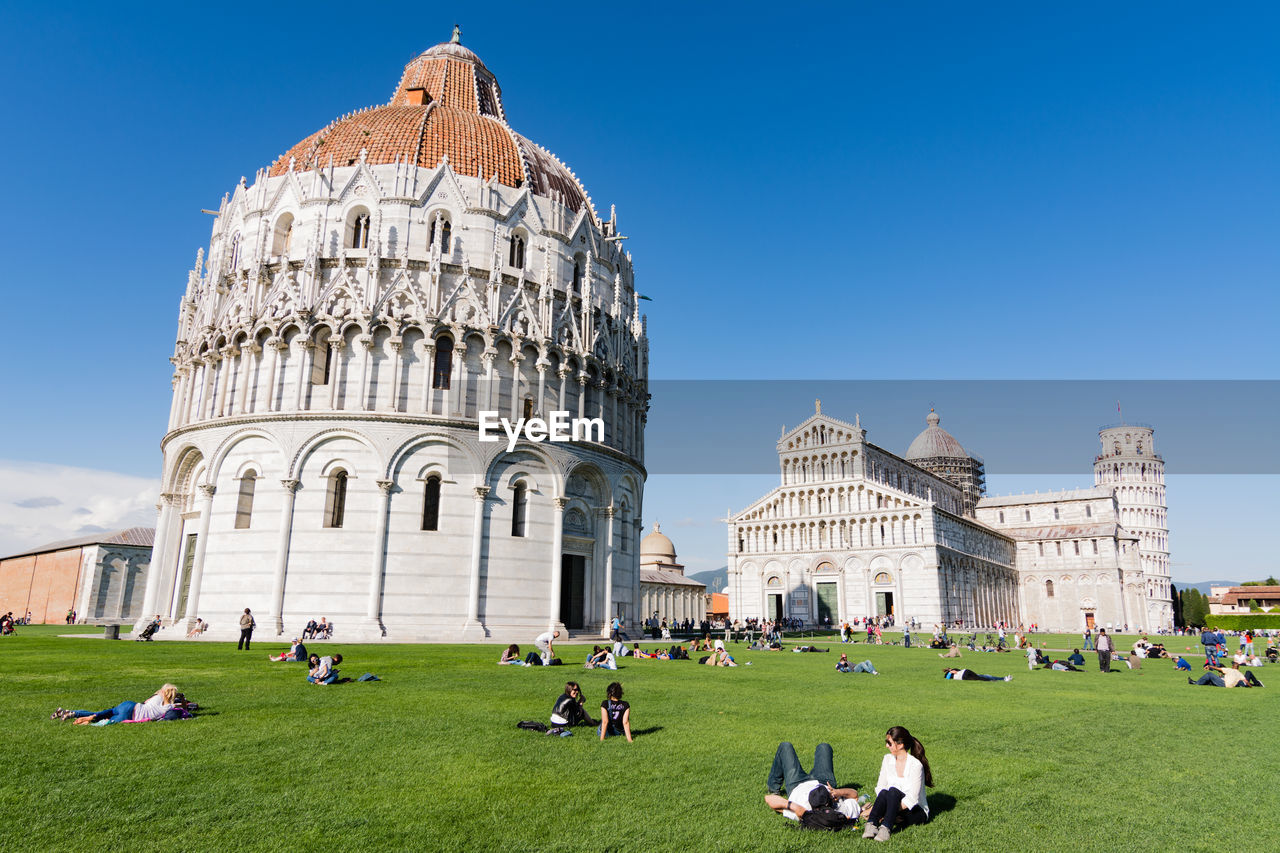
(446, 104)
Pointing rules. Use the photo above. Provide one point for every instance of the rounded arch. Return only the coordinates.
(588, 472)
(229, 443)
(357, 221)
(456, 450)
(310, 445)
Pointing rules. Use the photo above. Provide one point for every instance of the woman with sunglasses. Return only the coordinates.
(900, 797)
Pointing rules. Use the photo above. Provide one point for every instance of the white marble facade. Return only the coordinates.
(854, 531)
(354, 316)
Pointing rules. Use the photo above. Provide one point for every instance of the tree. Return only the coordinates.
(1195, 608)
(1176, 594)
(1253, 606)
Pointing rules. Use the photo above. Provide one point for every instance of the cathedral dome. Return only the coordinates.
(656, 544)
(447, 104)
(935, 442)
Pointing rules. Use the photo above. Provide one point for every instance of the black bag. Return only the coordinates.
(531, 725)
(826, 817)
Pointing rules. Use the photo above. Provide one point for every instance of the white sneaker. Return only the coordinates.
(1008, 678)
(869, 831)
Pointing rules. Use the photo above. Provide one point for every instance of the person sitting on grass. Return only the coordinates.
(325, 671)
(1216, 676)
(1181, 664)
(970, 675)
(797, 794)
(952, 652)
(511, 656)
(601, 659)
(152, 709)
(1075, 658)
(615, 714)
(679, 653)
(568, 709)
(297, 653)
(900, 799)
(719, 657)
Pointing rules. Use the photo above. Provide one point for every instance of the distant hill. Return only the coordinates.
(715, 581)
(1203, 586)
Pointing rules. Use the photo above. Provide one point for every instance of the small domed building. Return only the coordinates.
(392, 284)
(665, 592)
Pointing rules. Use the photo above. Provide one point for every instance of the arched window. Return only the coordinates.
(883, 578)
(515, 252)
(446, 234)
(431, 504)
(1056, 514)
(1088, 512)
(235, 250)
(528, 408)
(244, 503)
(519, 506)
(283, 237)
(322, 364)
(360, 231)
(335, 503)
(576, 287)
(443, 369)
(1048, 589)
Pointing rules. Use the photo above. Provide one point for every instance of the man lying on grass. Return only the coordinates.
(810, 797)
(1231, 676)
(969, 675)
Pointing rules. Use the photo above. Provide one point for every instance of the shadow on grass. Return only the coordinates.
(939, 803)
(646, 731)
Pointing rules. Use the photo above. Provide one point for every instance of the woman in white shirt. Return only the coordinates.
(900, 796)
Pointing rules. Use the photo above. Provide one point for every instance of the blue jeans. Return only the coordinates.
(865, 666)
(1212, 678)
(906, 640)
(1088, 643)
(328, 679)
(118, 714)
(787, 772)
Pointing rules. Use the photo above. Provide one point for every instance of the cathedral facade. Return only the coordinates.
(854, 531)
(366, 302)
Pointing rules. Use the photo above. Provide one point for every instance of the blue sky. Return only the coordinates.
(901, 190)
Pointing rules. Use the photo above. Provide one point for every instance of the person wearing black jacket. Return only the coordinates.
(568, 709)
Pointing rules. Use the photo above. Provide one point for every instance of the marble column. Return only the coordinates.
(157, 568)
(197, 567)
(609, 513)
(472, 629)
(282, 553)
(336, 373)
(378, 561)
(557, 551)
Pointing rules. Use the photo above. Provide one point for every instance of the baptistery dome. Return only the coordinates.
(447, 105)
(388, 287)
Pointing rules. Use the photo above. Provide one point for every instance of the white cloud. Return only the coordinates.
(42, 503)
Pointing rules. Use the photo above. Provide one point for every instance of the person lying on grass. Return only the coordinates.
(152, 709)
(325, 671)
(1216, 676)
(637, 652)
(615, 714)
(1060, 666)
(969, 675)
(569, 709)
(804, 795)
(900, 799)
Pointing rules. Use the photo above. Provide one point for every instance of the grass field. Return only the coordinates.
(430, 759)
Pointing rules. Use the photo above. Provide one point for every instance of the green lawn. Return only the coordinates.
(430, 759)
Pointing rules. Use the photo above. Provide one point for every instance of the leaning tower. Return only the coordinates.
(1130, 466)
